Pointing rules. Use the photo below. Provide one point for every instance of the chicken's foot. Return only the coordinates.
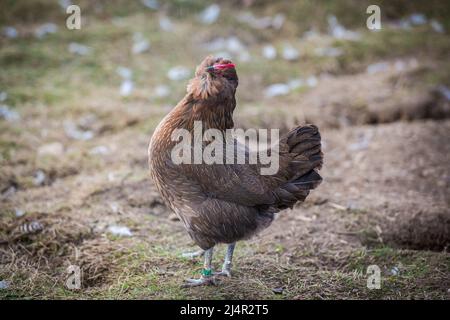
(207, 277)
(226, 268)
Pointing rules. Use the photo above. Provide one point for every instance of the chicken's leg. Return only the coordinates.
(207, 277)
(226, 268)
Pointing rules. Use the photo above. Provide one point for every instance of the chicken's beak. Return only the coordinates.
(210, 69)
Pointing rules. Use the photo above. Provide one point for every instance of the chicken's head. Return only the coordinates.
(221, 68)
(214, 76)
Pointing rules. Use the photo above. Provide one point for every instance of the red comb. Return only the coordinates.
(224, 66)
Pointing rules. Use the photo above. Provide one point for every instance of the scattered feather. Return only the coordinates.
(73, 132)
(417, 19)
(362, 143)
(87, 120)
(19, 213)
(277, 89)
(234, 44)
(445, 91)
(231, 44)
(8, 114)
(275, 22)
(99, 150)
(311, 35)
(278, 290)
(4, 284)
(210, 14)
(337, 206)
(377, 67)
(64, 4)
(8, 192)
(278, 21)
(140, 44)
(254, 22)
(216, 44)
(437, 26)
(166, 24)
(30, 228)
(404, 24)
(124, 72)
(269, 52)
(127, 84)
(45, 29)
(10, 32)
(151, 4)
(351, 205)
(114, 207)
(39, 178)
(304, 218)
(290, 53)
(312, 81)
(178, 73)
(328, 52)
(395, 271)
(121, 231)
(126, 88)
(400, 65)
(53, 149)
(295, 83)
(80, 49)
(338, 31)
(162, 91)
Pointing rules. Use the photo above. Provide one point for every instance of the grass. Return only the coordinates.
(405, 269)
(155, 270)
(44, 71)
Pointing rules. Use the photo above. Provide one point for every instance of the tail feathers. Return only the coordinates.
(303, 138)
(306, 158)
(309, 181)
(305, 150)
(296, 190)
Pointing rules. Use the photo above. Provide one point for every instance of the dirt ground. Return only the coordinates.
(385, 198)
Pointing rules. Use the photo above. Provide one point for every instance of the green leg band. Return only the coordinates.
(206, 272)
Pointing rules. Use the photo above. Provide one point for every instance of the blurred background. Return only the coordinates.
(78, 107)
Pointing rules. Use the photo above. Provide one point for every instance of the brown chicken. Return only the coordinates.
(225, 203)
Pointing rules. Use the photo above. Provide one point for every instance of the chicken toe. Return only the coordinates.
(207, 277)
(223, 273)
(202, 281)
